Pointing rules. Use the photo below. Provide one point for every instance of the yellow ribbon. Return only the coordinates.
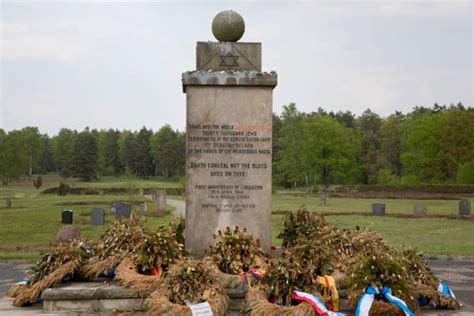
(330, 294)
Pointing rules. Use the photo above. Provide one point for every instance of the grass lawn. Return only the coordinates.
(289, 202)
(430, 235)
(33, 221)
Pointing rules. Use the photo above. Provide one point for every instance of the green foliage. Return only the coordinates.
(14, 156)
(391, 146)
(465, 173)
(58, 255)
(177, 227)
(314, 149)
(235, 251)
(379, 269)
(168, 148)
(300, 225)
(158, 249)
(191, 281)
(456, 139)
(123, 237)
(38, 182)
(287, 274)
(85, 156)
(62, 147)
(386, 176)
(314, 252)
(369, 128)
(63, 189)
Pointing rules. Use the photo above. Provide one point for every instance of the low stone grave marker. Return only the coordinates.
(464, 208)
(378, 209)
(420, 210)
(143, 207)
(8, 203)
(322, 200)
(161, 203)
(97, 216)
(66, 216)
(154, 195)
(68, 232)
(123, 210)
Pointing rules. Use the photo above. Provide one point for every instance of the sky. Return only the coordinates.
(118, 64)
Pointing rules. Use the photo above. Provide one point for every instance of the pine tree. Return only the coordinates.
(85, 156)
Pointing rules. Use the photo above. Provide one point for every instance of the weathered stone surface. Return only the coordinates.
(227, 56)
(97, 216)
(240, 78)
(161, 202)
(464, 208)
(124, 304)
(68, 232)
(378, 209)
(123, 210)
(86, 305)
(92, 290)
(228, 26)
(8, 203)
(229, 142)
(420, 210)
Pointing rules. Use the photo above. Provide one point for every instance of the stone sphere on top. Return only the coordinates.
(228, 26)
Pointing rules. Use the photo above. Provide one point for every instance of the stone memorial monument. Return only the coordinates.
(229, 137)
(66, 216)
(97, 216)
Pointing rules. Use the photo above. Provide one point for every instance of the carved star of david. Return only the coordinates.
(229, 61)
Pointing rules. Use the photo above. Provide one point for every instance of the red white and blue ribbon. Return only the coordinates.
(365, 302)
(258, 274)
(316, 302)
(444, 289)
(387, 293)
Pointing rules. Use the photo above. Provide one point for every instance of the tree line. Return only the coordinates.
(91, 154)
(428, 145)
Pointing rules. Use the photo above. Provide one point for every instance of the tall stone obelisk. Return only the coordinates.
(229, 137)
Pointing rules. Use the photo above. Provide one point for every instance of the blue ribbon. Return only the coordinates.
(365, 302)
(387, 293)
(444, 289)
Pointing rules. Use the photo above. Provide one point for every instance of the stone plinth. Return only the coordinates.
(225, 56)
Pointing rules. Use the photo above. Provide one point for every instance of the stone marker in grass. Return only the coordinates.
(161, 202)
(66, 216)
(97, 216)
(420, 210)
(8, 203)
(378, 209)
(68, 232)
(123, 210)
(464, 207)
